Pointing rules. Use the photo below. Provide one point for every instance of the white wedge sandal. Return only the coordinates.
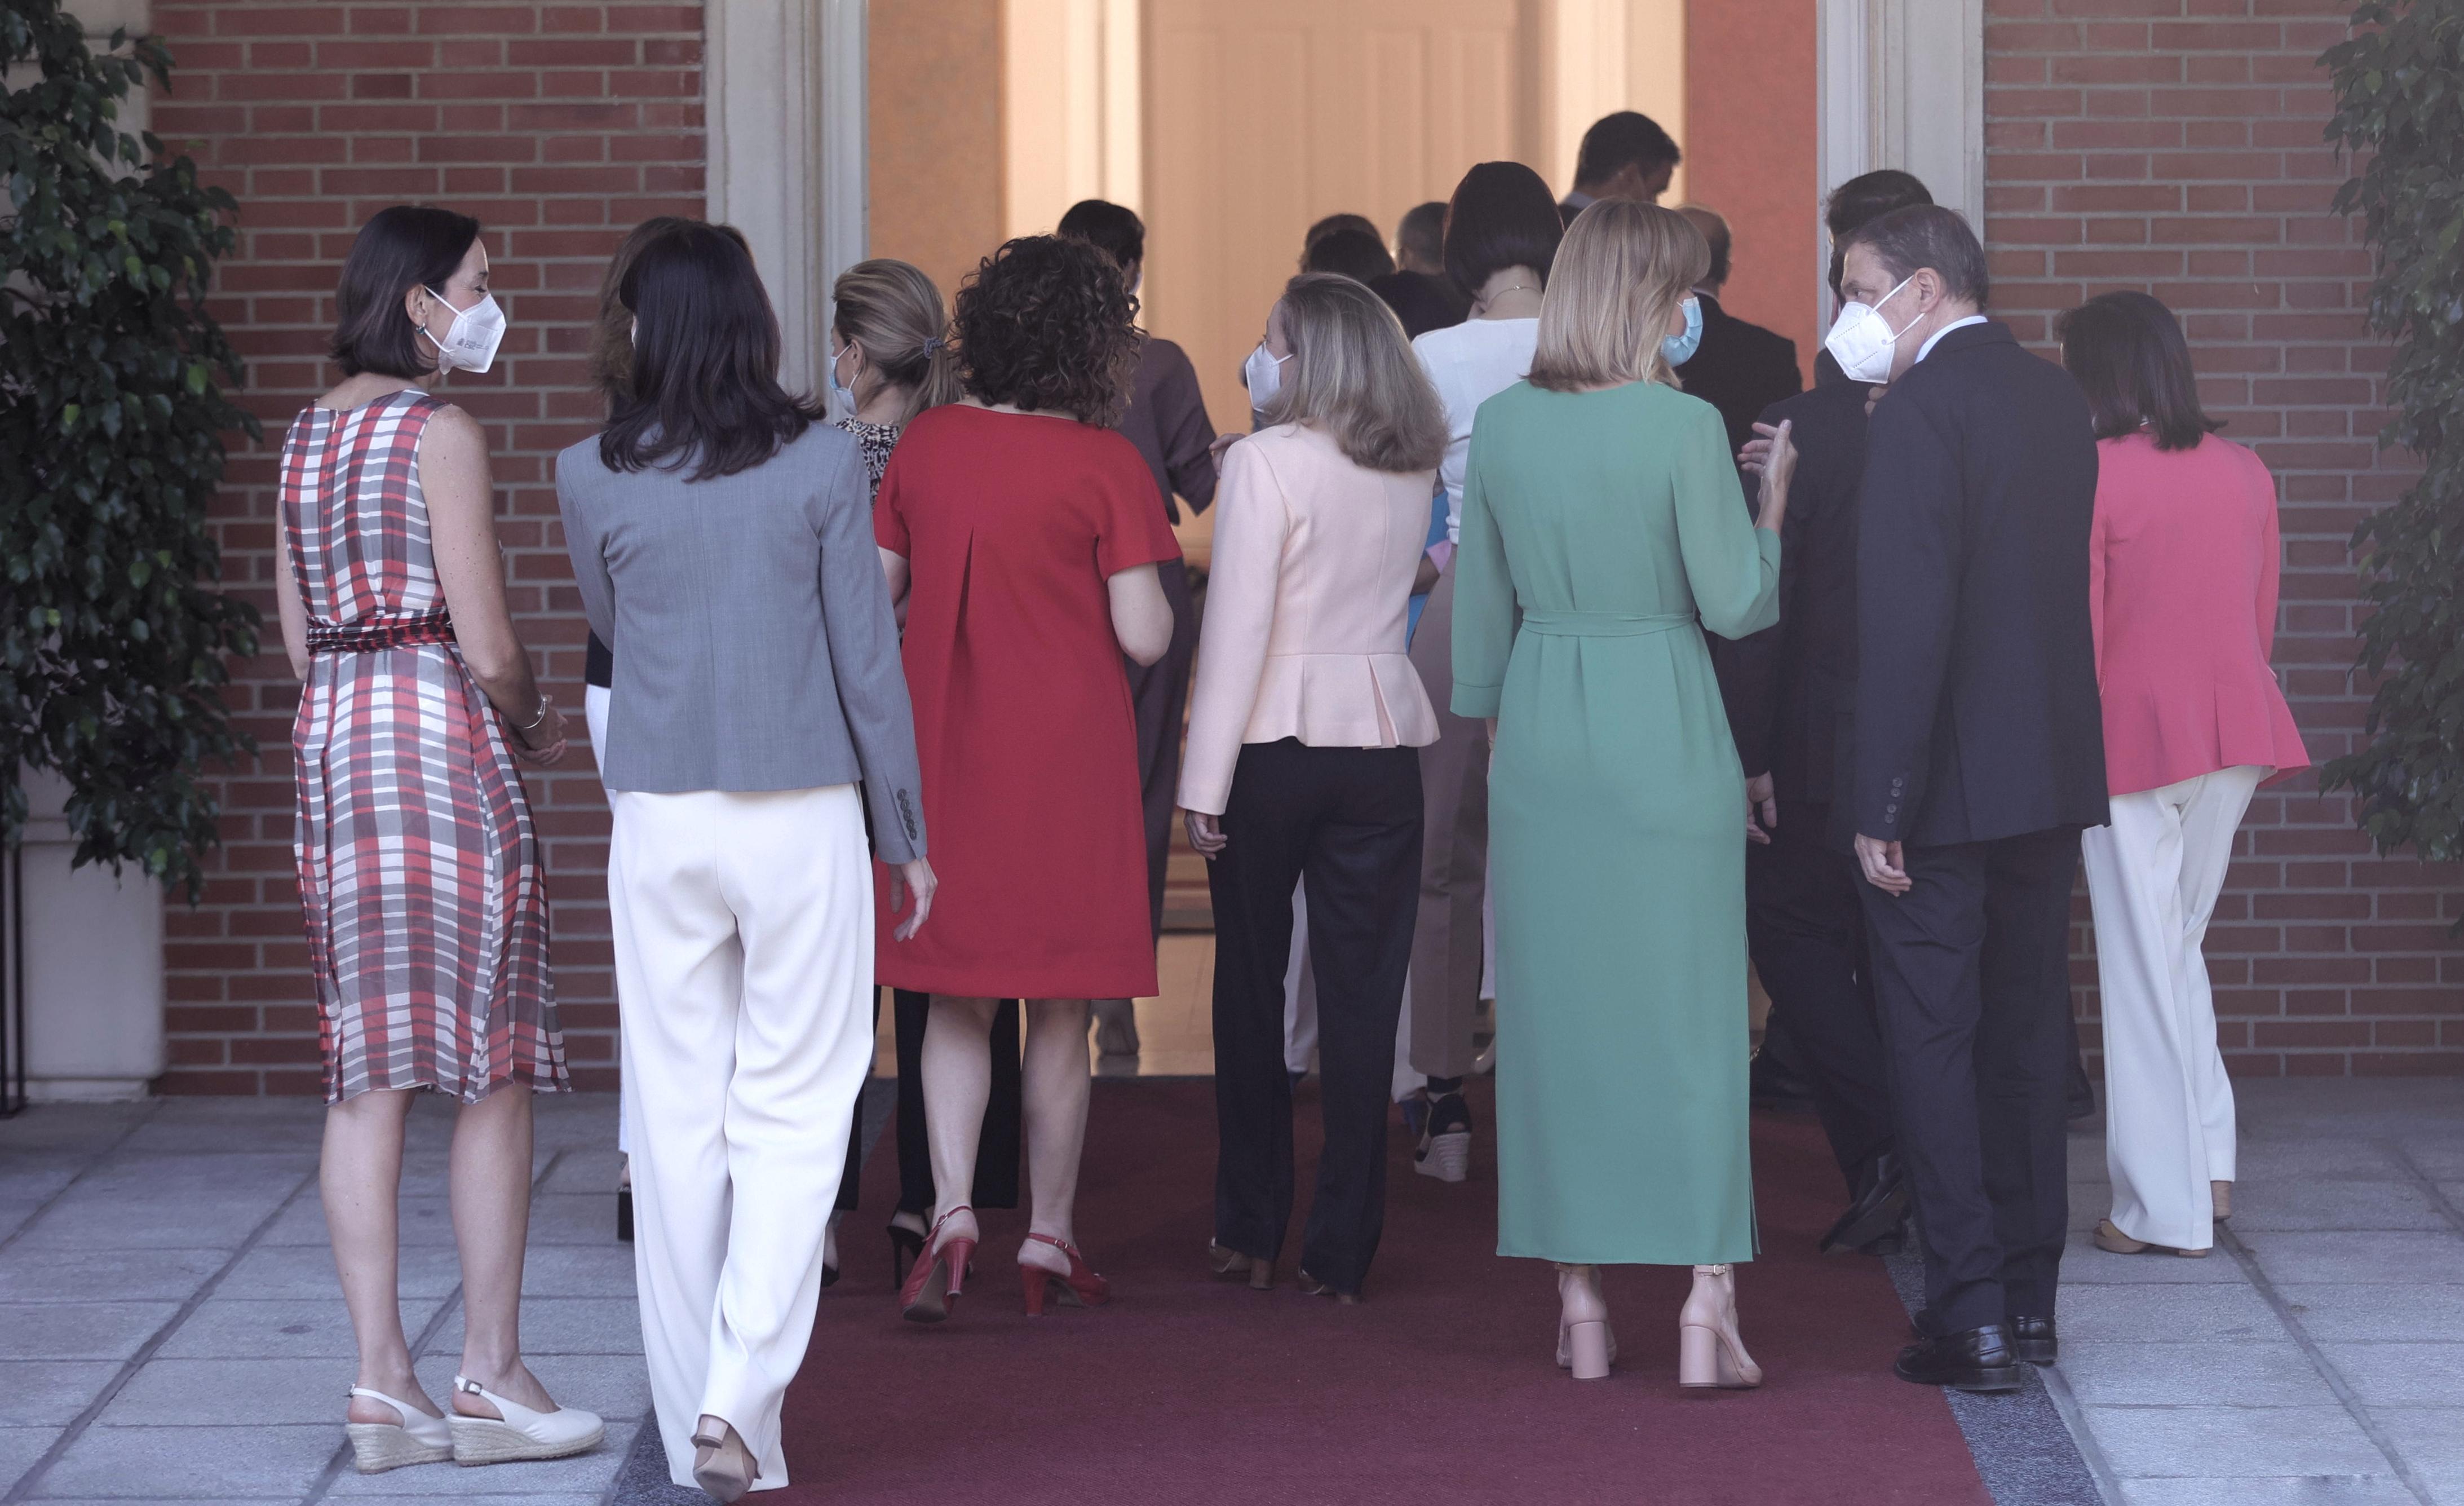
(518, 1433)
(417, 1439)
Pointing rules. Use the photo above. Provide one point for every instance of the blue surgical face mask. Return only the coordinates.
(1679, 349)
(840, 392)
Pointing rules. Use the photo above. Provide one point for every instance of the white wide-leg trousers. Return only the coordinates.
(2152, 879)
(744, 941)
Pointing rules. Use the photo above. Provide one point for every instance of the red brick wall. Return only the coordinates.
(2173, 146)
(559, 126)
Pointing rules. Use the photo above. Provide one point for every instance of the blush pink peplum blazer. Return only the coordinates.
(1305, 605)
(2182, 582)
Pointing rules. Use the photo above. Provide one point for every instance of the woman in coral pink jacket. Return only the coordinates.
(2183, 577)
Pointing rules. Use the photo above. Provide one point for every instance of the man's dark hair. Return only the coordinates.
(1045, 323)
(1714, 227)
(1354, 253)
(1867, 196)
(704, 387)
(1110, 228)
(1422, 231)
(1627, 138)
(1328, 226)
(1926, 235)
(1502, 216)
(2127, 354)
(401, 247)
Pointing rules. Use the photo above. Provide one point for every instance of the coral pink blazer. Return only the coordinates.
(1306, 597)
(2182, 580)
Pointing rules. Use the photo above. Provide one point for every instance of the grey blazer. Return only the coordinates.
(754, 640)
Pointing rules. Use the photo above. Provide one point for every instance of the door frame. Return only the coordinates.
(784, 88)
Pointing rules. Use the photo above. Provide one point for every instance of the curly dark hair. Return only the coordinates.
(1045, 323)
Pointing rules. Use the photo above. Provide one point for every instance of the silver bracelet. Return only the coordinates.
(535, 721)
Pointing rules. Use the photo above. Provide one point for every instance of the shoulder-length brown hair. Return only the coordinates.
(612, 338)
(1045, 323)
(1620, 273)
(1354, 376)
(2126, 352)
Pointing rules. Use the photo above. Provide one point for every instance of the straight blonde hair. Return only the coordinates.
(1354, 376)
(894, 310)
(1621, 272)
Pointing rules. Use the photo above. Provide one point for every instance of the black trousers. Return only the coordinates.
(1159, 703)
(1971, 973)
(1348, 820)
(997, 1149)
(1806, 929)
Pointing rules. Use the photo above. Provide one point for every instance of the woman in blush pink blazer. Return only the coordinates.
(2183, 578)
(1303, 727)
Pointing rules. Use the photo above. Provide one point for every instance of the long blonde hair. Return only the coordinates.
(1621, 272)
(894, 310)
(1354, 376)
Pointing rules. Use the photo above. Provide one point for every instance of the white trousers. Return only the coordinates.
(2152, 878)
(744, 953)
(594, 716)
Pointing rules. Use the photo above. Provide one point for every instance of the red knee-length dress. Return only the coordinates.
(1011, 523)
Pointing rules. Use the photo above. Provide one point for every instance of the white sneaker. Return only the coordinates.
(519, 1432)
(417, 1439)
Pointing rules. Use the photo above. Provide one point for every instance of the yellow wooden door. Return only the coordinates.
(1263, 116)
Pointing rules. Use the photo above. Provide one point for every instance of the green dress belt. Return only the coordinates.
(1604, 623)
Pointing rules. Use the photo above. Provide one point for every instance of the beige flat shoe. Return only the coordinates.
(2114, 1240)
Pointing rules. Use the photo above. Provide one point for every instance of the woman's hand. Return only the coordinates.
(1777, 468)
(1222, 442)
(543, 744)
(1205, 831)
(913, 877)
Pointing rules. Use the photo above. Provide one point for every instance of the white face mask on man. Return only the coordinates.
(1861, 340)
(470, 342)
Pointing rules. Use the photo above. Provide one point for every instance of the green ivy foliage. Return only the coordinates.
(113, 402)
(2399, 83)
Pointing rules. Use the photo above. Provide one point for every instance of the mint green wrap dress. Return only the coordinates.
(1603, 532)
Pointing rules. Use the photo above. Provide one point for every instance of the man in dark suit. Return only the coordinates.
(1977, 756)
(1626, 155)
(1739, 368)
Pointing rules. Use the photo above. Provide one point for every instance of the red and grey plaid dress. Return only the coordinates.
(420, 874)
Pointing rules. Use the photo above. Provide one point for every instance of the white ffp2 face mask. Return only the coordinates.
(470, 340)
(1861, 340)
(1264, 374)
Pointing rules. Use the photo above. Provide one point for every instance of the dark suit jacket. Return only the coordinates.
(1422, 302)
(1976, 702)
(1166, 419)
(1740, 368)
(1789, 689)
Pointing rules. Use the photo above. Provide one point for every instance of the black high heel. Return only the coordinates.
(906, 1245)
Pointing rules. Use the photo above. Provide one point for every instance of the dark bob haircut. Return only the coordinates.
(704, 387)
(1350, 254)
(1926, 235)
(1502, 216)
(1045, 323)
(2127, 354)
(1110, 228)
(1867, 196)
(404, 247)
(1626, 139)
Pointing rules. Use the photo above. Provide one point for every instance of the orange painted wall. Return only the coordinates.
(934, 171)
(1749, 129)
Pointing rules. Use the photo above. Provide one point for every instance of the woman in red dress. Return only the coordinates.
(1020, 538)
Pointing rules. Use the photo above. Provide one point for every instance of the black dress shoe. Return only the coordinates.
(1877, 1212)
(2033, 1340)
(1977, 1360)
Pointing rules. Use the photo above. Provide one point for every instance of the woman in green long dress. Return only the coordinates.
(1603, 532)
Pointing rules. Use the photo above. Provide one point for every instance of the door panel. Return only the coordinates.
(1264, 116)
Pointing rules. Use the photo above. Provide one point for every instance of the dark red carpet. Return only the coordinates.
(1440, 1388)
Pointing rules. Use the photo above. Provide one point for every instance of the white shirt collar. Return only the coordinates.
(1935, 338)
(1579, 199)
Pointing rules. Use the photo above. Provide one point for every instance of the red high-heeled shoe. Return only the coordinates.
(924, 1298)
(1082, 1287)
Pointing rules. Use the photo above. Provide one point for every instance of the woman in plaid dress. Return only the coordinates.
(419, 870)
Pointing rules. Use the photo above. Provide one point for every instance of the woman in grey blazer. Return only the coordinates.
(722, 541)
